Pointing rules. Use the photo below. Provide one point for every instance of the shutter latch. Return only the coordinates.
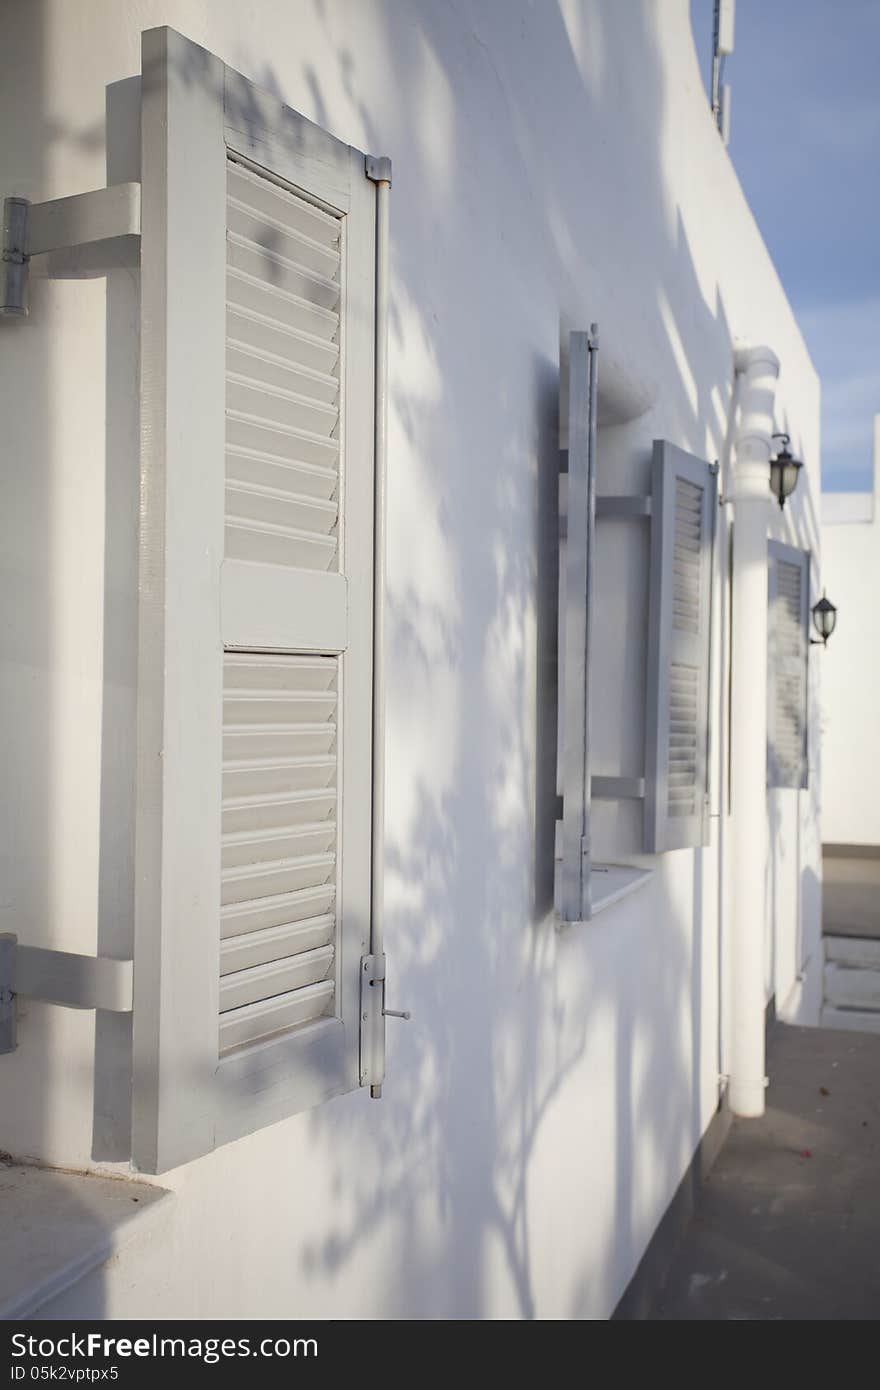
(373, 1015)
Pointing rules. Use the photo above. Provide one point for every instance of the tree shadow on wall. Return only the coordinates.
(542, 1105)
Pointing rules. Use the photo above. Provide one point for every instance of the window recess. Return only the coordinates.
(680, 512)
(582, 887)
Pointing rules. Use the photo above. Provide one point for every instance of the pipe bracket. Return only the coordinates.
(59, 977)
(33, 229)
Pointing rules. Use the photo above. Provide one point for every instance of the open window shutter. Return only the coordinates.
(573, 868)
(683, 497)
(255, 645)
(788, 642)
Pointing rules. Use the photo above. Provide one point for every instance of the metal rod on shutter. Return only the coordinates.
(378, 170)
(587, 860)
(709, 782)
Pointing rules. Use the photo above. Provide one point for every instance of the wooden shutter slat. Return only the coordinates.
(252, 363)
(249, 466)
(275, 943)
(258, 706)
(265, 543)
(274, 810)
(295, 444)
(274, 505)
(292, 311)
(266, 742)
(277, 843)
(251, 228)
(264, 196)
(274, 977)
(248, 882)
(260, 259)
(269, 672)
(257, 776)
(277, 405)
(270, 1017)
(263, 333)
(280, 910)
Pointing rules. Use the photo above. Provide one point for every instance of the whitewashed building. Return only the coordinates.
(598, 857)
(851, 756)
(851, 686)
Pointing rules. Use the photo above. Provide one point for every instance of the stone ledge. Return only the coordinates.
(56, 1227)
(611, 882)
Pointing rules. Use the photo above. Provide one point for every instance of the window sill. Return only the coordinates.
(609, 883)
(57, 1227)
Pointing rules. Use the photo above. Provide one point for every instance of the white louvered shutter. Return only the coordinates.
(676, 782)
(788, 642)
(255, 668)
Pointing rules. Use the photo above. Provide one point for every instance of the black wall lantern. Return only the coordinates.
(824, 621)
(784, 471)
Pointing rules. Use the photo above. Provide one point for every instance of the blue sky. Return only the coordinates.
(805, 139)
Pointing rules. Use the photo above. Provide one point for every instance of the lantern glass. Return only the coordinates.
(784, 473)
(825, 618)
(790, 476)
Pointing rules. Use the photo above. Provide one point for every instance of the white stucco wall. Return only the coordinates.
(851, 666)
(553, 165)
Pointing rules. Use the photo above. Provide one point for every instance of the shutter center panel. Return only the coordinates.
(683, 769)
(283, 301)
(683, 774)
(278, 927)
(279, 848)
(687, 556)
(679, 678)
(790, 680)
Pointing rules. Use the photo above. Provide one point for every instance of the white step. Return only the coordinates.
(848, 987)
(855, 1020)
(853, 951)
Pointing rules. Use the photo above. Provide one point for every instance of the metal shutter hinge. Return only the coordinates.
(377, 168)
(59, 977)
(33, 229)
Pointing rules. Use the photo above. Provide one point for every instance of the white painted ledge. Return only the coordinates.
(854, 952)
(852, 987)
(850, 1020)
(611, 882)
(847, 508)
(57, 1227)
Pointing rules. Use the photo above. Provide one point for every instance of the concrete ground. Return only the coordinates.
(788, 1223)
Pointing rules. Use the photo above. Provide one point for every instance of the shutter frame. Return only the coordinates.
(194, 605)
(784, 772)
(574, 868)
(678, 640)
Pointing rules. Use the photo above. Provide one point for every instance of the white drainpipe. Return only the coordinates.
(757, 369)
